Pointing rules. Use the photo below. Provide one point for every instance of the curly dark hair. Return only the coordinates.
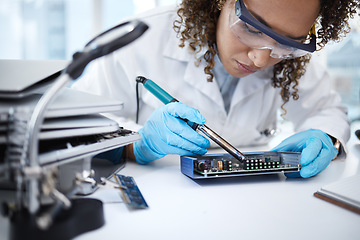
(197, 27)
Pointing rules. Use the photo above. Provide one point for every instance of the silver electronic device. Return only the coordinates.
(49, 135)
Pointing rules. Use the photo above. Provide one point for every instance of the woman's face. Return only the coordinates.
(291, 18)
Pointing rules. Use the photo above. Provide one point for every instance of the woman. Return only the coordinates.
(236, 63)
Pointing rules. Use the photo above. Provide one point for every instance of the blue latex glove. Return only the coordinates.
(165, 133)
(316, 147)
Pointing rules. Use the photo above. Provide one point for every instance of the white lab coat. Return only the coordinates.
(255, 102)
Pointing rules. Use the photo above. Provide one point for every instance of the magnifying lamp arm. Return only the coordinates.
(34, 126)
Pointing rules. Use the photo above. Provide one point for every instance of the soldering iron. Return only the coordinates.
(166, 98)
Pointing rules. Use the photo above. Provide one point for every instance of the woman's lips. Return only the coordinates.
(245, 68)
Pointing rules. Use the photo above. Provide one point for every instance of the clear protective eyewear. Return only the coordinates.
(257, 35)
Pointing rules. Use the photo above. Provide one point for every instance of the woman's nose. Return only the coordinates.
(260, 57)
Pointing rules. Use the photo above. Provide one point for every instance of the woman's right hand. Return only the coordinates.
(165, 132)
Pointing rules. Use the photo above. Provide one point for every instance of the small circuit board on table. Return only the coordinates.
(130, 192)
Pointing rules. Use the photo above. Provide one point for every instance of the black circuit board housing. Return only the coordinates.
(225, 165)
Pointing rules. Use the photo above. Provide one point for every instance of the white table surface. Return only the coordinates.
(252, 207)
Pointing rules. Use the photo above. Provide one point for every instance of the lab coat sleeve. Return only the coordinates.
(107, 77)
(114, 75)
(319, 106)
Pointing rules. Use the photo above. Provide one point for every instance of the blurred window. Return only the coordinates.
(55, 29)
(343, 62)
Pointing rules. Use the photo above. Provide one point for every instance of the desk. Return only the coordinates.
(253, 207)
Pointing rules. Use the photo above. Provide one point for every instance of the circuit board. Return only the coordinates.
(225, 165)
(130, 191)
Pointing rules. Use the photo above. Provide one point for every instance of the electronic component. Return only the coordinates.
(130, 191)
(225, 165)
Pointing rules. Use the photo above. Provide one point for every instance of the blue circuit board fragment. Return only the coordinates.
(130, 192)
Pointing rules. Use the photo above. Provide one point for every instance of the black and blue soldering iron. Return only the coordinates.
(166, 98)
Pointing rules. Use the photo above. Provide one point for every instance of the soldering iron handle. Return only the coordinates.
(156, 90)
(167, 98)
(161, 95)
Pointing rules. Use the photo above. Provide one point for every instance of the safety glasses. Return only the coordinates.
(256, 35)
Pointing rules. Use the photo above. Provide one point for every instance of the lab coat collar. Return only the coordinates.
(193, 76)
(250, 84)
(196, 78)
(172, 49)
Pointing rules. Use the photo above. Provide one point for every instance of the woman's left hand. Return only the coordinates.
(316, 147)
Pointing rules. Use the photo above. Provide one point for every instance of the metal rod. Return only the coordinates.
(221, 142)
(34, 126)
